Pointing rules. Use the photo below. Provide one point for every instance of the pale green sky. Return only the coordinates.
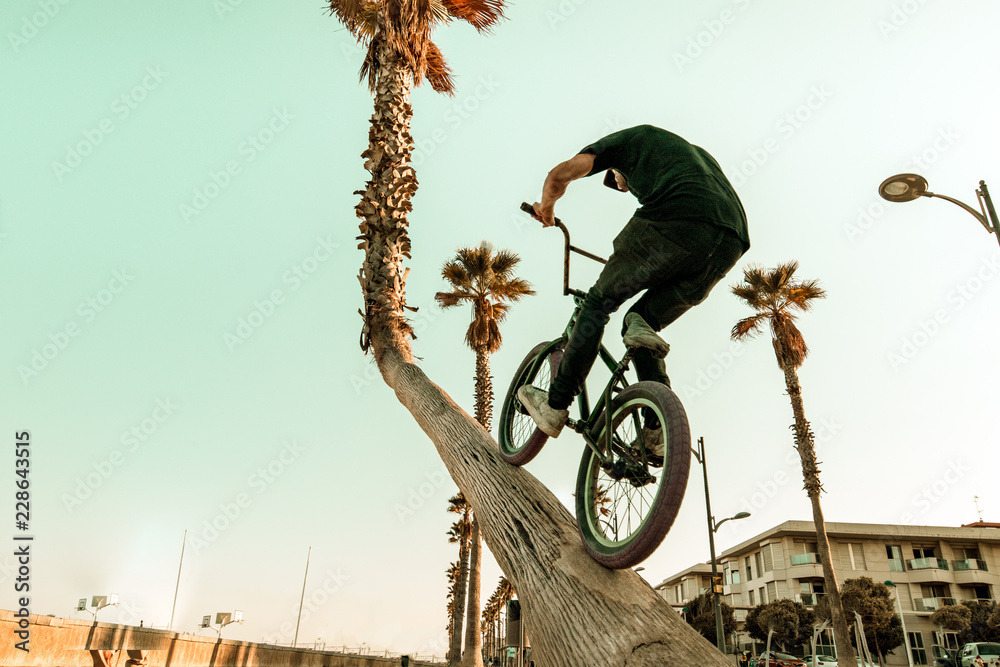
(122, 119)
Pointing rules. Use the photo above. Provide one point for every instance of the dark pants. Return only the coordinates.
(676, 263)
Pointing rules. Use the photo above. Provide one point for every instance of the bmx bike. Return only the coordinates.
(627, 496)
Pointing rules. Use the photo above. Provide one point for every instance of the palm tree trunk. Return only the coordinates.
(484, 389)
(805, 445)
(578, 612)
(473, 656)
(455, 652)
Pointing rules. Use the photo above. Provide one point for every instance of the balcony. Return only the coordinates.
(932, 604)
(968, 564)
(927, 564)
(804, 559)
(809, 599)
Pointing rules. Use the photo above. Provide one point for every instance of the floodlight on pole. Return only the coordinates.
(907, 187)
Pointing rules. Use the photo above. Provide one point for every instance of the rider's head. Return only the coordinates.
(614, 180)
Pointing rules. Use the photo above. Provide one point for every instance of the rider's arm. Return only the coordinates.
(562, 174)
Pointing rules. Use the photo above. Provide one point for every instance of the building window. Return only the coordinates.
(746, 563)
(895, 555)
(856, 556)
(768, 558)
(923, 552)
(753, 603)
(917, 648)
(968, 559)
(772, 590)
(982, 592)
(757, 563)
(760, 592)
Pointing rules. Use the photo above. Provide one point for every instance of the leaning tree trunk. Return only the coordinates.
(578, 612)
(473, 655)
(455, 650)
(805, 445)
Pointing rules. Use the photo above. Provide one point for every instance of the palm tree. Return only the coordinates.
(460, 533)
(486, 280)
(776, 300)
(531, 534)
(492, 619)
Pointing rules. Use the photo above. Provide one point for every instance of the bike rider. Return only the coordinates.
(689, 232)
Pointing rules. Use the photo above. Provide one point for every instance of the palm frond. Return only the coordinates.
(438, 72)
(512, 290)
(504, 262)
(456, 273)
(481, 14)
(748, 327)
(347, 12)
(449, 299)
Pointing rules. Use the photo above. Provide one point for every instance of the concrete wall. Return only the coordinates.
(65, 642)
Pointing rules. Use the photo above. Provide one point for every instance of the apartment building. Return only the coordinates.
(930, 566)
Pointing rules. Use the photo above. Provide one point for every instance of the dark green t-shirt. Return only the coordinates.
(671, 178)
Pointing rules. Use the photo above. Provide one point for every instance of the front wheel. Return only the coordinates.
(520, 440)
(626, 503)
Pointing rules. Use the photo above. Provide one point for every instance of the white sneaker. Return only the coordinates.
(640, 334)
(547, 418)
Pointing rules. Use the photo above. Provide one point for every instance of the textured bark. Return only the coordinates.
(484, 388)
(473, 655)
(805, 444)
(577, 612)
(455, 650)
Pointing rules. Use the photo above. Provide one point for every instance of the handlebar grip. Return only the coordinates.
(530, 210)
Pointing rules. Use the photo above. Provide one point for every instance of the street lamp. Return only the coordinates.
(907, 187)
(906, 638)
(720, 636)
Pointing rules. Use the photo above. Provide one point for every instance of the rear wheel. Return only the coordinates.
(520, 440)
(626, 505)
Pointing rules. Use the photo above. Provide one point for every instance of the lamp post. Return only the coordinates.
(907, 187)
(177, 588)
(906, 638)
(720, 636)
(302, 599)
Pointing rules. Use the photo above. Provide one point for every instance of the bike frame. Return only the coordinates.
(587, 425)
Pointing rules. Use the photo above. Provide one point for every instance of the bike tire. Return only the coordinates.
(520, 440)
(600, 528)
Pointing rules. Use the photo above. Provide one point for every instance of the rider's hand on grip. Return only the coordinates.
(530, 210)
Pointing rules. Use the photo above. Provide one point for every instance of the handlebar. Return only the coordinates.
(529, 209)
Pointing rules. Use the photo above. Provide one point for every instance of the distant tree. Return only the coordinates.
(701, 615)
(953, 618)
(460, 533)
(980, 629)
(777, 299)
(872, 600)
(994, 620)
(790, 621)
